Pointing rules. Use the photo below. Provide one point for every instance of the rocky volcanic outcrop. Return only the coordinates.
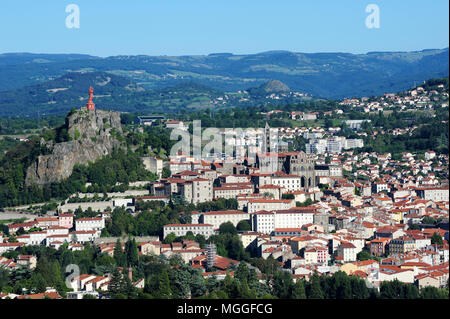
(93, 135)
(275, 86)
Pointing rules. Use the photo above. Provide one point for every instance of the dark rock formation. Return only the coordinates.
(93, 134)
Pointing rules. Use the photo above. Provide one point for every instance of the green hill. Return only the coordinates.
(118, 93)
(273, 86)
(60, 95)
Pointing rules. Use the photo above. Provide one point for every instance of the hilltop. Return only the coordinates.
(90, 135)
(273, 86)
(89, 147)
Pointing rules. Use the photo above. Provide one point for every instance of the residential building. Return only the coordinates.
(181, 229)
(216, 218)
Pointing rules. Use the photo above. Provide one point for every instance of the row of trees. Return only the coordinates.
(172, 278)
(155, 214)
(51, 266)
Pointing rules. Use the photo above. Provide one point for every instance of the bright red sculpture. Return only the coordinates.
(90, 105)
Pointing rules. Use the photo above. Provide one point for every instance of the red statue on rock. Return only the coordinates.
(90, 105)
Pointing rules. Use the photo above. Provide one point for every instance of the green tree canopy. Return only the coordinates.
(227, 228)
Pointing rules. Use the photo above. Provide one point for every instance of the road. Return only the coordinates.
(16, 215)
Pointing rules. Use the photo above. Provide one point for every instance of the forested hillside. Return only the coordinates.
(328, 75)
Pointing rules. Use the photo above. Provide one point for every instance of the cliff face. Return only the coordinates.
(93, 135)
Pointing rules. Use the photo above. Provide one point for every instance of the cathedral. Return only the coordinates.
(273, 159)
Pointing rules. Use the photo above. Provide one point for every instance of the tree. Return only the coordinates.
(243, 225)
(392, 290)
(242, 272)
(267, 266)
(212, 283)
(38, 282)
(359, 288)
(315, 290)
(170, 238)
(4, 278)
(288, 196)
(176, 260)
(345, 290)
(428, 220)
(298, 291)
(283, 284)
(131, 252)
(119, 255)
(196, 283)
(201, 240)
(436, 239)
(245, 292)
(414, 227)
(363, 255)
(116, 285)
(306, 203)
(234, 248)
(164, 291)
(411, 292)
(230, 287)
(166, 173)
(433, 293)
(189, 236)
(339, 286)
(227, 228)
(328, 123)
(128, 289)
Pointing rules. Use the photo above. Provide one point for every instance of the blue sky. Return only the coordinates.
(182, 27)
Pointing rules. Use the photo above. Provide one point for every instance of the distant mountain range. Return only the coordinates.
(119, 93)
(327, 75)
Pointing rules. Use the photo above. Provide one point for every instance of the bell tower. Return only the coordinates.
(266, 142)
(90, 105)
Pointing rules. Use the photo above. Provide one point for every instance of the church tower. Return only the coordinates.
(90, 105)
(266, 143)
